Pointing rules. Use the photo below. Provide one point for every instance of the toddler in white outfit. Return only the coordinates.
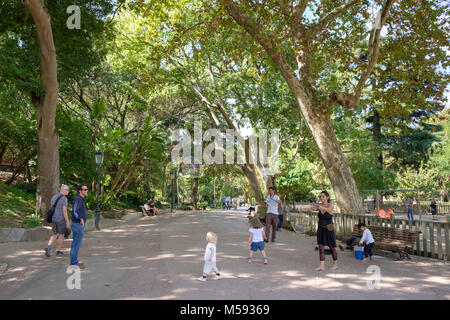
(210, 257)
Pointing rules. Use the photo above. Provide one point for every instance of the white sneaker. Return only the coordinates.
(217, 277)
(201, 279)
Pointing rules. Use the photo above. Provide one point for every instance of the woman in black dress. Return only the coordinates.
(324, 236)
(433, 209)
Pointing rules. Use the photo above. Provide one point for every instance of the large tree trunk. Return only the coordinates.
(48, 138)
(195, 193)
(319, 123)
(313, 111)
(250, 172)
(376, 130)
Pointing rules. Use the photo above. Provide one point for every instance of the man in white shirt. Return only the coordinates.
(272, 202)
(368, 238)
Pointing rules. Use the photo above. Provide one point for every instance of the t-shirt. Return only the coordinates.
(273, 205)
(257, 234)
(367, 236)
(58, 214)
(146, 206)
(208, 252)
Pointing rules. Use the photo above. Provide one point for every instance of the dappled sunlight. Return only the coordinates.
(231, 257)
(128, 268)
(162, 256)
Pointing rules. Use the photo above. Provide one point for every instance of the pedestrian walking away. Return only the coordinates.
(78, 222)
(210, 257)
(60, 221)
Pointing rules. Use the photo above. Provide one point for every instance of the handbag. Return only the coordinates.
(329, 227)
(51, 211)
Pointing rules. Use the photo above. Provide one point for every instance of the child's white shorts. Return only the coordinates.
(209, 267)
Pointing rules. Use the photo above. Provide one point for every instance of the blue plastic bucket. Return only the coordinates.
(359, 253)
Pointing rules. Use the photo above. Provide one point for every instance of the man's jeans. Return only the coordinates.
(280, 222)
(409, 213)
(78, 233)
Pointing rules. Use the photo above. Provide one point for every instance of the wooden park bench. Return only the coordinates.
(391, 239)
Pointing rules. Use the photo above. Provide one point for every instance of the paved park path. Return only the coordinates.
(161, 258)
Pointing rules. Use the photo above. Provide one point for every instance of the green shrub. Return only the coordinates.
(32, 221)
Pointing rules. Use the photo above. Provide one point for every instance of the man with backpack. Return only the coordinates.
(60, 221)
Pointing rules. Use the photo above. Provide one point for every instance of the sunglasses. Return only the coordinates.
(84, 189)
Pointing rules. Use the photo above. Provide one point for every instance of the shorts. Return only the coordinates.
(59, 227)
(209, 267)
(257, 245)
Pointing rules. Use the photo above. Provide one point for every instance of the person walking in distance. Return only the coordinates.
(272, 202)
(228, 202)
(409, 209)
(60, 221)
(78, 221)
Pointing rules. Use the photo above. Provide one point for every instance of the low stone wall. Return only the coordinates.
(22, 234)
(44, 232)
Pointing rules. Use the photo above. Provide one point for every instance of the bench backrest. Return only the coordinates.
(388, 234)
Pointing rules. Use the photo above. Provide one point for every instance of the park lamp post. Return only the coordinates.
(98, 161)
(172, 176)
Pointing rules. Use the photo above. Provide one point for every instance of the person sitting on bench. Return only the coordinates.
(350, 241)
(153, 209)
(146, 208)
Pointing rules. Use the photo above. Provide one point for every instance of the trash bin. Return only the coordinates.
(359, 252)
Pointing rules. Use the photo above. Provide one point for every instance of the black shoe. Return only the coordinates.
(273, 240)
(316, 248)
(341, 247)
(266, 240)
(47, 251)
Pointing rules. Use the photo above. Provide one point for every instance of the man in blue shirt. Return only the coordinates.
(78, 221)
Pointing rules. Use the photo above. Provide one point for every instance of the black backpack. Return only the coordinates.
(51, 211)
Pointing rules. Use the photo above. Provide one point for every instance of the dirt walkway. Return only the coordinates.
(161, 258)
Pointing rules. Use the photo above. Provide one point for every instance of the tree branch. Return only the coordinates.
(349, 100)
(299, 142)
(322, 23)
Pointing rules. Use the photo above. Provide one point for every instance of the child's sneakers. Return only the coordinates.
(249, 260)
(265, 260)
(217, 277)
(202, 278)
